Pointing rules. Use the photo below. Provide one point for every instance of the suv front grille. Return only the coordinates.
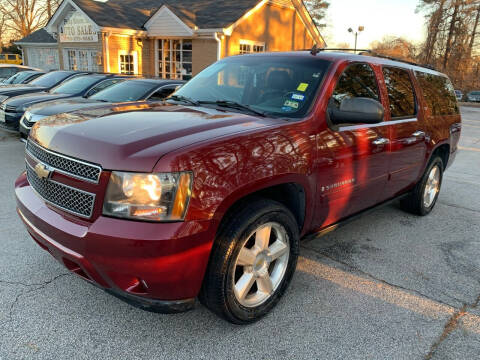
(10, 108)
(75, 168)
(71, 200)
(28, 124)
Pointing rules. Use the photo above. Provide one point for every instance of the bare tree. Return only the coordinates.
(396, 47)
(452, 39)
(22, 17)
(2, 29)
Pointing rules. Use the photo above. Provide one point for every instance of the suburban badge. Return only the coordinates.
(43, 171)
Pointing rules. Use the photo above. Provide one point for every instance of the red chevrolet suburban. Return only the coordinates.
(209, 194)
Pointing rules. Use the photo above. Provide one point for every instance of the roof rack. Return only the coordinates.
(315, 50)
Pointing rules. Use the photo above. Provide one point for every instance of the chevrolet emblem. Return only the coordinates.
(43, 171)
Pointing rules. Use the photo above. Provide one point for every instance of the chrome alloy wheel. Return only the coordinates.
(432, 187)
(261, 264)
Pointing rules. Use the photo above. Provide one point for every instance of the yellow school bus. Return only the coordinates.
(10, 59)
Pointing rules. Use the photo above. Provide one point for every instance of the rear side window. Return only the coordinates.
(400, 92)
(103, 85)
(439, 94)
(358, 80)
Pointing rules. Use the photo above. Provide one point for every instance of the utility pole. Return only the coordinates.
(360, 29)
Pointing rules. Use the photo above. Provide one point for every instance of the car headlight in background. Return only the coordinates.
(154, 197)
(27, 116)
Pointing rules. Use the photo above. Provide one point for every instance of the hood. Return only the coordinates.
(14, 90)
(62, 106)
(30, 99)
(134, 137)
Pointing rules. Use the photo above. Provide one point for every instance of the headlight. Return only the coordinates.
(154, 197)
(3, 98)
(27, 116)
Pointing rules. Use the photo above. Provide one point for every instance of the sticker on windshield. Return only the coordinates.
(292, 104)
(302, 87)
(298, 97)
(316, 75)
(287, 109)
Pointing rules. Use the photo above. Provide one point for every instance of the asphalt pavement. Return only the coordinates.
(389, 285)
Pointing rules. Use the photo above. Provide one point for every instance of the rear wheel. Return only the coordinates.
(252, 262)
(424, 196)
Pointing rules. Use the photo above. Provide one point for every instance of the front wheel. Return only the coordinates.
(252, 262)
(425, 194)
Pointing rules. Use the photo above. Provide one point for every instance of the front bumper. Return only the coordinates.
(158, 267)
(12, 120)
(24, 131)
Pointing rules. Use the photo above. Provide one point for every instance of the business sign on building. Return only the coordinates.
(77, 28)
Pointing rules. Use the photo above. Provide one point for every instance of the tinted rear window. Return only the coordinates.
(439, 93)
(400, 92)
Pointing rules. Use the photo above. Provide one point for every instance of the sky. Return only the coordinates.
(379, 17)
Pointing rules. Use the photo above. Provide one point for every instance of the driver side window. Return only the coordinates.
(358, 80)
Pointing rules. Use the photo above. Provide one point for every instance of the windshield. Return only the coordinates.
(6, 72)
(12, 79)
(475, 93)
(51, 78)
(76, 85)
(132, 90)
(276, 85)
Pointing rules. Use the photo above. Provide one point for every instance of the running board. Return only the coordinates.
(349, 219)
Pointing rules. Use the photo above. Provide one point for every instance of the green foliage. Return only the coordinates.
(318, 9)
(11, 49)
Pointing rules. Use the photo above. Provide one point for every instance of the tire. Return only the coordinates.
(415, 202)
(243, 255)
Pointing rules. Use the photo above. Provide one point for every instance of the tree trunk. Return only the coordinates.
(433, 29)
(474, 32)
(451, 32)
(49, 9)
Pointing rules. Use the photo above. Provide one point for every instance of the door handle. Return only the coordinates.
(419, 133)
(380, 141)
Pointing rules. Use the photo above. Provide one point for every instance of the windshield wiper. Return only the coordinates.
(184, 99)
(235, 105)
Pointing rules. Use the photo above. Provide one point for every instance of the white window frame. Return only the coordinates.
(249, 46)
(135, 61)
(160, 53)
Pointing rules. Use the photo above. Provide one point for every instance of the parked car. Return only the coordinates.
(7, 70)
(23, 77)
(130, 90)
(459, 95)
(210, 193)
(43, 83)
(473, 96)
(84, 85)
(15, 59)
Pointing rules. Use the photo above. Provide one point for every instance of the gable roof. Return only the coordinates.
(195, 14)
(132, 14)
(40, 36)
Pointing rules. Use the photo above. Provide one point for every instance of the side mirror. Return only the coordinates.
(357, 111)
